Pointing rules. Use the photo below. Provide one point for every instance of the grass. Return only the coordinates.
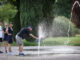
(54, 41)
(74, 41)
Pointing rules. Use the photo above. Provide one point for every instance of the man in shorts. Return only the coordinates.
(5, 39)
(20, 36)
(10, 38)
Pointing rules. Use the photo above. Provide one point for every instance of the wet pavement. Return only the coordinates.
(45, 53)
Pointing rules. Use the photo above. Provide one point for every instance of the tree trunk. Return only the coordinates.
(76, 14)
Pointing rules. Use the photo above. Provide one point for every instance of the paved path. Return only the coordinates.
(50, 57)
(60, 53)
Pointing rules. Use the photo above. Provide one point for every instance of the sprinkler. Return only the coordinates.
(38, 40)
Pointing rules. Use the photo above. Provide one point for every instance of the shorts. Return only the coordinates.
(5, 38)
(1, 40)
(19, 40)
(10, 39)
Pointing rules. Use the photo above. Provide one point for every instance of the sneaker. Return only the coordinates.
(5, 51)
(1, 52)
(21, 54)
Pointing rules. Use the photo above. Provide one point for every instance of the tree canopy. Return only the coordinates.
(63, 8)
(7, 12)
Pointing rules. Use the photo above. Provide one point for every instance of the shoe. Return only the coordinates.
(5, 51)
(1, 52)
(21, 54)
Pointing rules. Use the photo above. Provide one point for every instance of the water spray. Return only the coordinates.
(41, 35)
(38, 41)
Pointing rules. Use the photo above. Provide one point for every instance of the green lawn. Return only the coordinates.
(74, 41)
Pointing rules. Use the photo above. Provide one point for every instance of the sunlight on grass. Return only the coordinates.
(74, 41)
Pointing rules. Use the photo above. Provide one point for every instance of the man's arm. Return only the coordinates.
(5, 31)
(33, 36)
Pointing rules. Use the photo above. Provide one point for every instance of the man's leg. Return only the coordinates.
(20, 48)
(10, 41)
(20, 43)
(5, 45)
(9, 47)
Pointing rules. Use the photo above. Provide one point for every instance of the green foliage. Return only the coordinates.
(2, 1)
(63, 8)
(33, 11)
(7, 12)
(14, 44)
(27, 43)
(61, 26)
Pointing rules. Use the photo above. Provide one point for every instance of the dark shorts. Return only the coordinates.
(10, 39)
(5, 38)
(1, 40)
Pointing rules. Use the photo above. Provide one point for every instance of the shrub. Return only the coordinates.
(61, 25)
(28, 43)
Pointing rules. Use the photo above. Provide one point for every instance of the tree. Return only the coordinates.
(34, 11)
(7, 12)
(75, 13)
(63, 8)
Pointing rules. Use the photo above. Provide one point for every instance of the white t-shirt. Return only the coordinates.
(1, 32)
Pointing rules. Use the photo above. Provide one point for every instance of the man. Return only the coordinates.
(10, 38)
(1, 36)
(5, 39)
(21, 35)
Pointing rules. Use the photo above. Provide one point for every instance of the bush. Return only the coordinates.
(14, 44)
(27, 43)
(61, 25)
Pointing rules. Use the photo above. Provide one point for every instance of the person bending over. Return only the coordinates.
(20, 36)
